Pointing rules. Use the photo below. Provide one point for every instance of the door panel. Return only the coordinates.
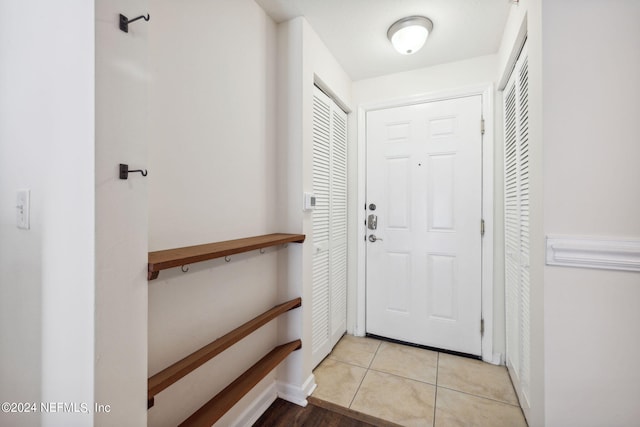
(443, 289)
(440, 192)
(329, 219)
(398, 191)
(516, 218)
(424, 168)
(398, 297)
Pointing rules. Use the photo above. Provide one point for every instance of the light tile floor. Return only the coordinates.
(416, 387)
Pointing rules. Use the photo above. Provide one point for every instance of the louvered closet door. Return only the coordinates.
(329, 294)
(516, 114)
(338, 225)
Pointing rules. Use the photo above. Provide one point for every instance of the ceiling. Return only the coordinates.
(355, 31)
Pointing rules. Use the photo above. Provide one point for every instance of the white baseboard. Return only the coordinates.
(497, 359)
(594, 252)
(258, 407)
(297, 394)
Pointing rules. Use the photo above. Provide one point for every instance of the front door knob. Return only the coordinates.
(373, 238)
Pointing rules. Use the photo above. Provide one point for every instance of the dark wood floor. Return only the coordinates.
(286, 414)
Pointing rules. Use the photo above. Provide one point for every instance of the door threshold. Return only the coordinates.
(426, 347)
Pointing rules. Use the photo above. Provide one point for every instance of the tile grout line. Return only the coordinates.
(481, 397)
(363, 377)
(358, 389)
(369, 367)
(402, 377)
(348, 363)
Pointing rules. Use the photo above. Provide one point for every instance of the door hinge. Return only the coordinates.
(481, 327)
(482, 126)
(482, 227)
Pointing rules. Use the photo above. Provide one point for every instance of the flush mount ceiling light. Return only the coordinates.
(409, 34)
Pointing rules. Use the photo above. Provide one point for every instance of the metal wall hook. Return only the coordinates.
(184, 268)
(124, 171)
(124, 21)
(262, 250)
(227, 258)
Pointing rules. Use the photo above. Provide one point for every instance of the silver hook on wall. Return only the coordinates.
(184, 268)
(227, 258)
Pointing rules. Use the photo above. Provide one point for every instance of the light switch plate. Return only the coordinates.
(309, 201)
(22, 209)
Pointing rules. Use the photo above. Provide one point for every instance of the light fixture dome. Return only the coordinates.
(409, 34)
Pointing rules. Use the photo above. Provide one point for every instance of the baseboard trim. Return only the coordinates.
(297, 394)
(497, 359)
(258, 407)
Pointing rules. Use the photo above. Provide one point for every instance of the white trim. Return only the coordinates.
(360, 326)
(488, 142)
(486, 90)
(497, 359)
(427, 97)
(258, 407)
(594, 252)
(320, 84)
(522, 396)
(295, 394)
(518, 43)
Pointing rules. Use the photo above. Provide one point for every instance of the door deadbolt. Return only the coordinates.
(372, 222)
(372, 206)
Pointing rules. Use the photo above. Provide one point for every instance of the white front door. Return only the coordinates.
(424, 176)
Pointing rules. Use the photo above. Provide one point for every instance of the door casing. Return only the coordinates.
(357, 325)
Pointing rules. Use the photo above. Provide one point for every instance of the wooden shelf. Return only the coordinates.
(213, 410)
(223, 401)
(169, 258)
(178, 370)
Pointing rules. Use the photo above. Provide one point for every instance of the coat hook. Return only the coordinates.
(227, 258)
(124, 21)
(184, 268)
(125, 171)
(262, 250)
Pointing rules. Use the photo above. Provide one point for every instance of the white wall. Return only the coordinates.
(212, 177)
(46, 145)
(302, 60)
(121, 214)
(583, 133)
(436, 79)
(591, 64)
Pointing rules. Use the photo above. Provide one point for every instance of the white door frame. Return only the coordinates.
(486, 90)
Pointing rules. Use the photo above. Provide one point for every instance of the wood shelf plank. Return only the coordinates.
(169, 258)
(178, 370)
(213, 410)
